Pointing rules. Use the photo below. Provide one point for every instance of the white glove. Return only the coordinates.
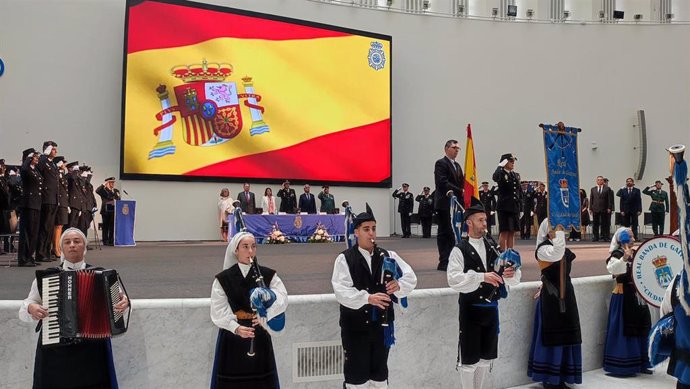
(503, 163)
(492, 212)
(531, 213)
(69, 209)
(522, 214)
(410, 214)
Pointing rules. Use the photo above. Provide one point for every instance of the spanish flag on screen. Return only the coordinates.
(216, 92)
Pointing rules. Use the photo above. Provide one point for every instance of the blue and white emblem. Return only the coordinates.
(377, 58)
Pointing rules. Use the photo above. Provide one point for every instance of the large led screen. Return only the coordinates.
(220, 94)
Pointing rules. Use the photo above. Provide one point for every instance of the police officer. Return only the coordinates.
(75, 185)
(405, 208)
(488, 199)
(658, 207)
(425, 211)
(509, 200)
(32, 186)
(49, 200)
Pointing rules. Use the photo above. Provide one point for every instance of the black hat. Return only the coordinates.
(427, 188)
(475, 207)
(659, 182)
(58, 159)
(485, 182)
(405, 184)
(508, 156)
(367, 216)
(109, 179)
(27, 152)
(72, 164)
(48, 143)
(84, 168)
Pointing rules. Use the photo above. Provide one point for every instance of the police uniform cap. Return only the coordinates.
(109, 179)
(508, 156)
(659, 182)
(72, 164)
(58, 159)
(485, 183)
(27, 152)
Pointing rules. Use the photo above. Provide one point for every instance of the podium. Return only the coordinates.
(125, 216)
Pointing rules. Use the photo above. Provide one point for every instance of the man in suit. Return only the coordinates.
(32, 185)
(405, 208)
(425, 210)
(247, 200)
(631, 205)
(658, 207)
(307, 202)
(488, 199)
(288, 198)
(509, 200)
(49, 200)
(449, 180)
(601, 206)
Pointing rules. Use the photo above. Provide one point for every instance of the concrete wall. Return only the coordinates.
(170, 343)
(63, 82)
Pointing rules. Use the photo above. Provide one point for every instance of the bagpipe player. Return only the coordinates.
(246, 307)
(472, 271)
(366, 295)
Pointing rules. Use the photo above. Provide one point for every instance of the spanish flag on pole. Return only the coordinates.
(471, 185)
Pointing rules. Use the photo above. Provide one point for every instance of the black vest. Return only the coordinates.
(363, 279)
(558, 328)
(474, 262)
(237, 287)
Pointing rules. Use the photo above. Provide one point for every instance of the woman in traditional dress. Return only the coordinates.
(87, 364)
(245, 312)
(556, 353)
(625, 350)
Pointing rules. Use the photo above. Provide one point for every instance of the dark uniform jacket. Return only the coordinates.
(527, 202)
(406, 203)
(288, 201)
(76, 191)
(426, 205)
(51, 175)
(540, 203)
(108, 198)
(32, 186)
(63, 191)
(509, 191)
(16, 189)
(488, 200)
(659, 200)
(447, 176)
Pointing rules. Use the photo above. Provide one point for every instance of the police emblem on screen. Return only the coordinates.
(377, 58)
(209, 106)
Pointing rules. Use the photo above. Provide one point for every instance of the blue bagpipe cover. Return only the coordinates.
(508, 258)
(262, 299)
(389, 265)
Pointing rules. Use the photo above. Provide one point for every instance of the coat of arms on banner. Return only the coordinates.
(662, 270)
(209, 108)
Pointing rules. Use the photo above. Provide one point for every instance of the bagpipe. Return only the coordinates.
(504, 259)
(390, 271)
(262, 298)
(662, 337)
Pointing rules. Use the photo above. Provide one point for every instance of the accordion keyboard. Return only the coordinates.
(51, 326)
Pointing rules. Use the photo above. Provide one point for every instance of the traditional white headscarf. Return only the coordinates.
(543, 233)
(71, 229)
(615, 241)
(230, 256)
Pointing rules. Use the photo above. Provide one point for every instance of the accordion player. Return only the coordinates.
(78, 308)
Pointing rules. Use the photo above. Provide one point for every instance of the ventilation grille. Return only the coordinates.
(317, 361)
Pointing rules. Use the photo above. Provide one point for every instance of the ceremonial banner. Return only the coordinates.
(471, 184)
(125, 212)
(219, 94)
(562, 175)
(298, 228)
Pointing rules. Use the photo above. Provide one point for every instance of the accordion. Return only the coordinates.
(81, 306)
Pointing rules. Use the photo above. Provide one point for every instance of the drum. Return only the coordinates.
(656, 262)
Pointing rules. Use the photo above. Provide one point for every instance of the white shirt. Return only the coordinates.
(555, 252)
(351, 297)
(666, 302)
(223, 316)
(468, 282)
(617, 266)
(35, 297)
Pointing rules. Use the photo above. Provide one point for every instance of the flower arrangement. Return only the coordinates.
(276, 236)
(320, 235)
